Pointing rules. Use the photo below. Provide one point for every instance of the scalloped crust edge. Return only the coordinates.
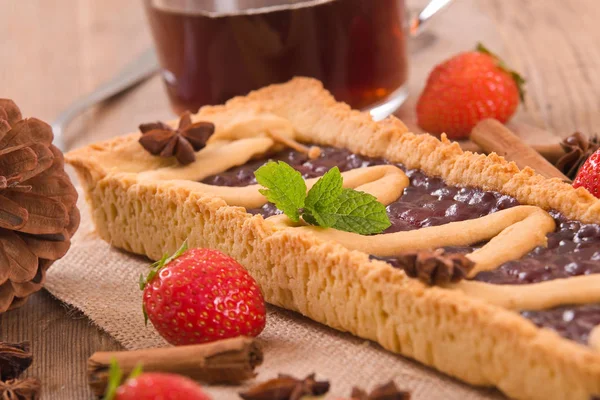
(467, 338)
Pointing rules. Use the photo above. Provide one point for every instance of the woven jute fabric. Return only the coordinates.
(102, 281)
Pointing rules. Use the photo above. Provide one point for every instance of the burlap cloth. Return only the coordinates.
(103, 283)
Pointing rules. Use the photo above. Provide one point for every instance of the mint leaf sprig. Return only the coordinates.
(327, 204)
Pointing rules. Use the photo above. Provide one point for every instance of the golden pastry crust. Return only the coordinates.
(467, 338)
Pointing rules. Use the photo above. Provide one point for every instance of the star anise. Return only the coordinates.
(38, 213)
(578, 148)
(387, 391)
(14, 359)
(286, 387)
(160, 139)
(20, 389)
(435, 267)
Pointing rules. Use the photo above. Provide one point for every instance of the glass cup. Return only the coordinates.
(212, 50)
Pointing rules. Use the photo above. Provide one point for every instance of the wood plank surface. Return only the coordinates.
(54, 51)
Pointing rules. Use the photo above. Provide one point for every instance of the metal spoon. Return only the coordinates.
(424, 15)
(134, 73)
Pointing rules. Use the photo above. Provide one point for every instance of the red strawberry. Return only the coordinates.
(202, 295)
(160, 386)
(151, 386)
(589, 174)
(466, 89)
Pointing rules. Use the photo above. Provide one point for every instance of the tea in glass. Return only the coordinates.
(211, 51)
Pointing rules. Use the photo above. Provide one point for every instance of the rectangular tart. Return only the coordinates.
(511, 324)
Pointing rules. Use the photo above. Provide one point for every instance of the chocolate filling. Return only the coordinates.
(573, 249)
(574, 323)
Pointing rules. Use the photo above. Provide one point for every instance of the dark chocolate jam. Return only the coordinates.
(574, 323)
(573, 249)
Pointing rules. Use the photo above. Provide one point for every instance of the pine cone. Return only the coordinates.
(38, 212)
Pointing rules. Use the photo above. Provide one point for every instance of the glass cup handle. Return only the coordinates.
(417, 21)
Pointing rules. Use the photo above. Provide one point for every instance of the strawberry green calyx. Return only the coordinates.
(115, 378)
(160, 264)
(136, 371)
(519, 80)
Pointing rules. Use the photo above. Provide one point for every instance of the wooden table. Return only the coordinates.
(53, 52)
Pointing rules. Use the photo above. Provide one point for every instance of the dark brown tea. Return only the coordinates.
(357, 48)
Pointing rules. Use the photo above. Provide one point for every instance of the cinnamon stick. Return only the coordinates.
(227, 361)
(492, 136)
(551, 151)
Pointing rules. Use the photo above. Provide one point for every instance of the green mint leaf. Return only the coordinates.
(327, 204)
(322, 199)
(359, 212)
(115, 376)
(284, 187)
